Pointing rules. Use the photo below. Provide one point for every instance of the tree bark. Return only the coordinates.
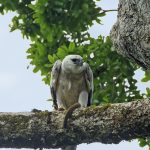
(131, 33)
(109, 123)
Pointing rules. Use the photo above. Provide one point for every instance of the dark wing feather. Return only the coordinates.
(89, 82)
(54, 80)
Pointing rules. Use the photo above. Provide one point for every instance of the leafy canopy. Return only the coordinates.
(58, 28)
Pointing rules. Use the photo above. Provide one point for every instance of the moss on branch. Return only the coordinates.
(109, 123)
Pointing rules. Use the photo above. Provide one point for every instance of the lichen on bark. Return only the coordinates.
(131, 32)
(109, 123)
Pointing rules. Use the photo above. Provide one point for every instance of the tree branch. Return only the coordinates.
(130, 34)
(110, 123)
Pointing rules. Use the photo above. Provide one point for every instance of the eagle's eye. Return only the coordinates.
(74, 60)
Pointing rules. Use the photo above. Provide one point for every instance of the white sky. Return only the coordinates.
(22, 90)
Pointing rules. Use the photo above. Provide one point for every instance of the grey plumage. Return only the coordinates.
(71, 82)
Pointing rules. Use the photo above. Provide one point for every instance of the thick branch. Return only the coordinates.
(131, 33)
(109, 123)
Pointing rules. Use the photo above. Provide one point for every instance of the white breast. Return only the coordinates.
(69, 89)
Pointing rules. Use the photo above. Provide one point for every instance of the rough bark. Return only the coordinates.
(110, 123)
(131, 33)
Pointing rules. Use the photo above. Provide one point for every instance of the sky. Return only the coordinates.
(23, 90)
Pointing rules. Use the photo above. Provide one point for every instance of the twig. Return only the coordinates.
(109, 10)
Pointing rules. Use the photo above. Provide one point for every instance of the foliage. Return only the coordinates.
(146, 77)
(58, 28)
(144, 142)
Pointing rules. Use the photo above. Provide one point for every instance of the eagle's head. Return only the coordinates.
(73, 64)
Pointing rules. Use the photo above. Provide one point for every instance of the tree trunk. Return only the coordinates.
(131, 33)
(109, 123)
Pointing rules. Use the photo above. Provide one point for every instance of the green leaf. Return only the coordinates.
(71, 47)
(148, 92)
(142, 142)
(85, 7)
(147, 77)
(51, 59)
(102, 14)
(36, 69)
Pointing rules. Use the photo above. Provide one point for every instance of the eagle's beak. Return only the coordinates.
(80, 62)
